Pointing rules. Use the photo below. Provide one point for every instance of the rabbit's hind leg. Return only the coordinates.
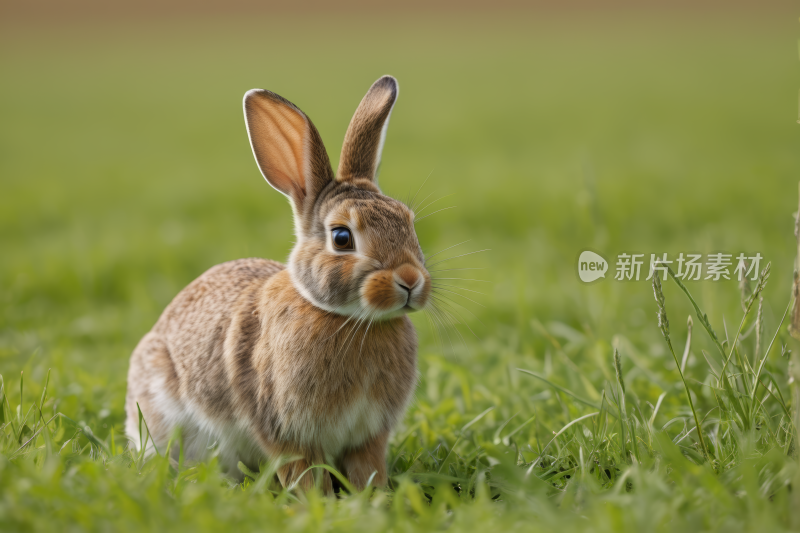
(153, 385)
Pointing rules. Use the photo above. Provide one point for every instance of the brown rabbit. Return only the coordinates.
(315, 360)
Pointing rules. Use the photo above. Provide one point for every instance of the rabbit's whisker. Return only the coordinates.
(437, 211)
(447, 269)
(431, 203)
(352, 334)
(364, 337)
(457, 256)
(448, 300)
(437, 285)
(452, 311)
(435, 314)
(434, 330)
(448, 248)
(437, 334)
(411, 203)
(353, 327)
(457, 294)
(462, 279)
(349, 318)
(423, 200)
(454, 322)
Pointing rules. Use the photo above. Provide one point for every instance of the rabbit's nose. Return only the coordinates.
(408, 292)
(407, 277)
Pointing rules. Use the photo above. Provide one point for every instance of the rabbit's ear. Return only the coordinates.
(287, 146)
(363, 142)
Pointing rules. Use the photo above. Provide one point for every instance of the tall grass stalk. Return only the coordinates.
(623, 415)
(663, 324)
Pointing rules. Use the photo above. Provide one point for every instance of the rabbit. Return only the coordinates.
(309, 362)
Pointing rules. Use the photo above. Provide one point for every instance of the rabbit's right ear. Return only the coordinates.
(363, 142)
(286, 145)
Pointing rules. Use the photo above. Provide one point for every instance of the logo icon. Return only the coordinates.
(591, 266)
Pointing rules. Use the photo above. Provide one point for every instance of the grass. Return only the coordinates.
(126, 173)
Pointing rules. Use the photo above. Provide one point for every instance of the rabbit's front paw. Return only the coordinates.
(365, 462)
(295, 475)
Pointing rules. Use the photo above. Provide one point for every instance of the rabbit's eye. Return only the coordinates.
(342, 239)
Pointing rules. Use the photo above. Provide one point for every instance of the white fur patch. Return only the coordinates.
(202, 437)
(232, 441)
(351, 426)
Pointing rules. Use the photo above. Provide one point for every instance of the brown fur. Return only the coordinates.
(361, 149)
(314, 361)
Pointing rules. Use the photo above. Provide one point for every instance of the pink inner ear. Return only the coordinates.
(278, 135)
(287, 186)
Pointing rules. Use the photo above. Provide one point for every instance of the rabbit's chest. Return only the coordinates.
(353, 424)
(334, 418)
(328, 385)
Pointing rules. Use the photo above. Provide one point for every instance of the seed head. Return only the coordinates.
(760, 285)
(618, 368)
(663, 322)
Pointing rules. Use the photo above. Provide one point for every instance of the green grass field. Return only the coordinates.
(125, 172)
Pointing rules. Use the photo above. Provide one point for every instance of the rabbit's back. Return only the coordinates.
(178, 370)
(196, 322)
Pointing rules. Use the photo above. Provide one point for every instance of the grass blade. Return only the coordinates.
(663, 323)
(577, 398)
(757, 378)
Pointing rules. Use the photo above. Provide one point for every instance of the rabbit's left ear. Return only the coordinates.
(363, 142)
(287, 147)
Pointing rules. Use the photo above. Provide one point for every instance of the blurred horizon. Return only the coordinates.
(127, 172)
(20, 16)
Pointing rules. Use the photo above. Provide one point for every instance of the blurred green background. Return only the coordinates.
(125, 172)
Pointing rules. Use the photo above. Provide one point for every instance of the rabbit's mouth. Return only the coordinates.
(390, 314)
(395, 291)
